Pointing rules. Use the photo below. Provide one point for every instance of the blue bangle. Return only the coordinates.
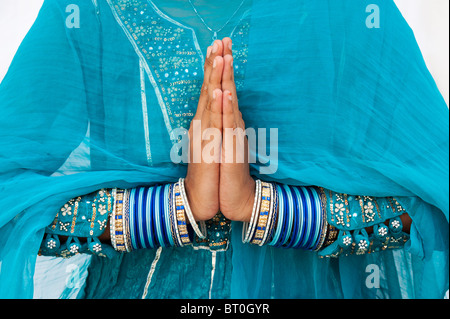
(154, 228)
(305, 220)
(132, 219)
(294, 234)
(290, 211)
(311, 217)
(159, 224)
(301, 219)
(313, 234)
(283, 210)
(280, 214)
(162, 209)
(138, 217)
(283, 224)
(318, 218)
(167, 215)
(156, 216)
(149, 219)
(142, 213)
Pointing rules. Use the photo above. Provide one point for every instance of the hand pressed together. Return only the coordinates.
(221, 180)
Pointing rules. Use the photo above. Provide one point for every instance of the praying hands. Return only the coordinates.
(222, 182)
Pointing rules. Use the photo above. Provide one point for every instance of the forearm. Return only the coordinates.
(107, 214)
(115, 220)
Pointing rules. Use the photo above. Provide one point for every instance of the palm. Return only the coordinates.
(236, 189)
(202, 179)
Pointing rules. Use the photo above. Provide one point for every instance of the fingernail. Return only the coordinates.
(215, 48)
(230, 97)
(214, 94)
(208, 52)
(214, 63)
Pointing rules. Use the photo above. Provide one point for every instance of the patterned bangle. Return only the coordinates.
(117, 222)
(126, 220)
(266, 199)
(295, 218)
(272, 215)
(324, 225)
(181, 219)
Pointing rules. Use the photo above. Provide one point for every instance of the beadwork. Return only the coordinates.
(173, 56)
(85, 216)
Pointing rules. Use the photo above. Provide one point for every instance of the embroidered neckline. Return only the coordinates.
(172, 58)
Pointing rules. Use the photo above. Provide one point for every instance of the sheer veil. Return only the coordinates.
(355, 108)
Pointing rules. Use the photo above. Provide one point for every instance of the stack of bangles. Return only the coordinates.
(160, 216)
(151, 217)
(286, 216)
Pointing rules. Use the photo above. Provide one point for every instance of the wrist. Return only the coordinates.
(248, 206)
(203, 207)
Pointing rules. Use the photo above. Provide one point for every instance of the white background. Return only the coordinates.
(428, 18)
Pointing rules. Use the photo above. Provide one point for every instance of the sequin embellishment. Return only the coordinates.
(173, 58)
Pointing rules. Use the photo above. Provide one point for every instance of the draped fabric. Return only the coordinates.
(355, 108)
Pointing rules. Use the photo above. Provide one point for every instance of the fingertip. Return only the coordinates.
(217, 47)
(228, 43)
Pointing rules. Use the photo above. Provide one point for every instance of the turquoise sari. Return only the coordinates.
(94, 105)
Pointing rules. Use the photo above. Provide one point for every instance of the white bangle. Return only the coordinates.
(249, 228)
(188, 211)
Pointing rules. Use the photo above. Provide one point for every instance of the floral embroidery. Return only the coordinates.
(63, 226)
(97, 248)
(368, 212)
(66, 210)
(362, 245)
(102, 208)
(339, 208)
(395, 224)
(382, 231)
(51, 244)
(74, 249)
(102, 224)
(347, 240)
